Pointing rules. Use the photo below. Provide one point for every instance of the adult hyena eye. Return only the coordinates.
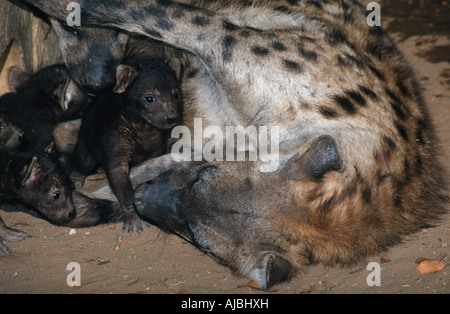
(71, 30)
(176, 95)
(204, 174)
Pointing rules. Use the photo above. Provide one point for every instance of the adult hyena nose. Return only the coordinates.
(157, 203)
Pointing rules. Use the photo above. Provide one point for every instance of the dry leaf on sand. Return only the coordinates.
(429, 266)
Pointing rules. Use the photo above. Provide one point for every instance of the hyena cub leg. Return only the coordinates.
(118, 174)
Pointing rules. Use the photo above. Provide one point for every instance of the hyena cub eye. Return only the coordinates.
(56, 195)
(149, 99)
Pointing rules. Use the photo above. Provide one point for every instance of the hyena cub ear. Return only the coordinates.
(125, 75)
(270, 269)
(30, 171)
(17, 78)
(175, 65)
(321, 157)
(70, 94)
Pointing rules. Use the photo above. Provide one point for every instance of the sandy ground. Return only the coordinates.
(154, 262)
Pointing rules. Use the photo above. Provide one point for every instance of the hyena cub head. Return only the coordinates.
(11, 137)
(91, 54)
(45, 186)
(151, 90)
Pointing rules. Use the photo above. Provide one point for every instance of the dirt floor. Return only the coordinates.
(153, 262)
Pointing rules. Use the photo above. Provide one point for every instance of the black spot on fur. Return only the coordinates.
(335, 37)
(398, 111)
(292, 66)
(402, 131)
(165, 3)
(376, 72)
(308, 54)
(315, 3)
(345, 104)
(350, 190)
(260, 50)
(402, 87)
(356, 97)
(328, 112)
(228, 44)
(368, 92)
(277, 45)
(397, 105)
(390, 142)
(200, 20)
(392, 95)
(348, 60)
(367, 195)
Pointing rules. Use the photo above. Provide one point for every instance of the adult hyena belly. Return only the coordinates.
(358, 166)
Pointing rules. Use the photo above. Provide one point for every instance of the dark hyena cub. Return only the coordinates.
(39, 101)
(11, 137)
(37, 182)
(128, 126)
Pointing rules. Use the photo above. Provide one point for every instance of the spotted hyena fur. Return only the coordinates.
(358, 156)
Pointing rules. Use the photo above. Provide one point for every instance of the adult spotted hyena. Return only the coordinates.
(358, 166)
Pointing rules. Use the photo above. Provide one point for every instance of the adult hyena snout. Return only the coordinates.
(159, 203)
(99, 79)
(91, 54)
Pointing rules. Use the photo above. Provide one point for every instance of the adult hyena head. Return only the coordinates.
(91, 54)
(224, 212)
(236, 213)
(318, 207)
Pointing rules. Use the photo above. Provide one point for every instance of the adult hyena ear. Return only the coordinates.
(125, 75)
(321, 156)
(17, 78)
(270, 269)
(175, 65)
